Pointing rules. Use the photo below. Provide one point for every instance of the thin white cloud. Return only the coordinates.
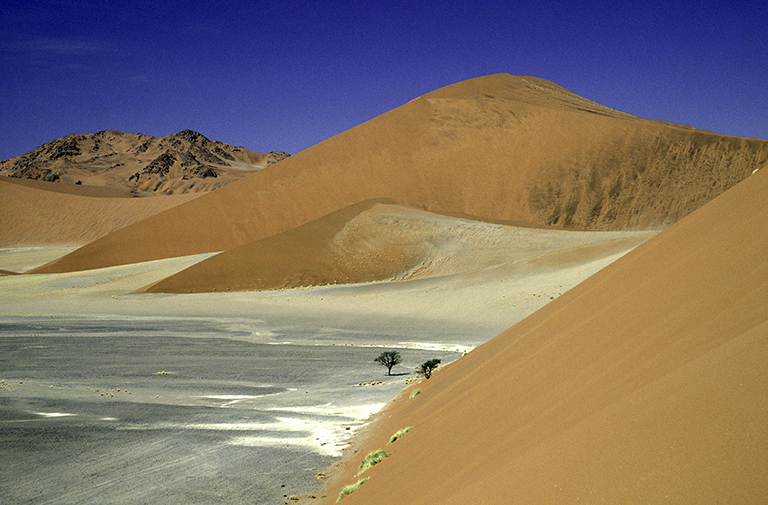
(65, 46)
(56, 47)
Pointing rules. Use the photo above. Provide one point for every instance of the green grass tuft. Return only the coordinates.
(399, 434)
(415, 392)
(351, 488)
(371, 459)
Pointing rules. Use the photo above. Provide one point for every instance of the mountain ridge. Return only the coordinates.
(184, 162)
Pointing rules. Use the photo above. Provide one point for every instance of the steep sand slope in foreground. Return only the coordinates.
(644, 384)
(381, 240)
(498, 147)
(44, 213)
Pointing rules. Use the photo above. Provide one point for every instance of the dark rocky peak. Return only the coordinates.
(190, 136)
(109, 134)
(181, 140)
(66, 148)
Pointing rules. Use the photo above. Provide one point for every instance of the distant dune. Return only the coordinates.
(644, 384)
(45, 213)
(498, 148)
(303, 256)
(185, 162)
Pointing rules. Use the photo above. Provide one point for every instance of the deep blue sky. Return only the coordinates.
(285, 75)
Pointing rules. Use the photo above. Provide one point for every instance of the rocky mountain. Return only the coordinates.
(184, 162)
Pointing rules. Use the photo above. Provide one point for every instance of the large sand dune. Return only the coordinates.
(516, 149)
(644, 384)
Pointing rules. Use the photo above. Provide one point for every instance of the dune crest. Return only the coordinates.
(498, 147)
(644, 384)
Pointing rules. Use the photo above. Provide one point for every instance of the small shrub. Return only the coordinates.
(351, 488)
(427, 367)
(415, 392)
(371, 459)
(399, 434)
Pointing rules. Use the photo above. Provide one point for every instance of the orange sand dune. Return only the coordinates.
(644, 384)
(302, 256)
(69, 189)
(44, 213)
(497, 147)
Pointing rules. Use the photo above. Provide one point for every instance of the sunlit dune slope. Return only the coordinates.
(44, 213)
(644, 384)
(497, 147)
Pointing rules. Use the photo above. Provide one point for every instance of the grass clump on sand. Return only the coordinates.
(351, 488)
(415, 392)
(371, 459)
(399, 434)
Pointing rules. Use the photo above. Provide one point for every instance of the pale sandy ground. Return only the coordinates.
(494, 296)
(442, 316)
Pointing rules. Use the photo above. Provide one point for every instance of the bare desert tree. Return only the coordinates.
(389, 359)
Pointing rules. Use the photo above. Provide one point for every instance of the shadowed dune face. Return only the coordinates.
(309, 255)
(644, 384)
(498, 147)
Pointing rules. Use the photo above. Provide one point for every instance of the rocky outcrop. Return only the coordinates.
(66, 149)
(275, 156)
(186, 161)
